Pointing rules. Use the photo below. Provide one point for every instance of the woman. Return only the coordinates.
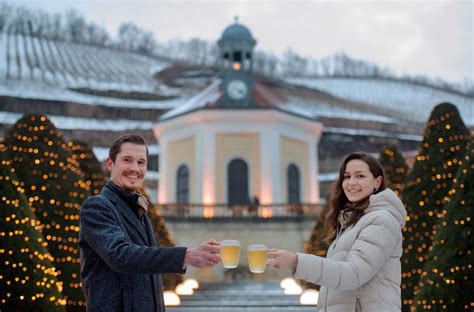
(362, 270)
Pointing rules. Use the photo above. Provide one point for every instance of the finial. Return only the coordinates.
(236, 19)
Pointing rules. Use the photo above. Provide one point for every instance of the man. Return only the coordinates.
(120, 261)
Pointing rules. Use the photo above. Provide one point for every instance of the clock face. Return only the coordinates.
(237, 89)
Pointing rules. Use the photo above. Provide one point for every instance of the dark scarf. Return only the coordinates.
(135, 201)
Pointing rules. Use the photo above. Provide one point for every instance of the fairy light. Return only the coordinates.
(395, 168)
(28, 277)
(427, 194)
(94, 176)
(55, 188)
(449, 271)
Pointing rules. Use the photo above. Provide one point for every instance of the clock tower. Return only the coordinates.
(236, 65)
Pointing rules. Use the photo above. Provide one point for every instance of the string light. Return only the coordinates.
(395, 168)
(426, 195)
(55, 188)
(27, 278)
(448, 271)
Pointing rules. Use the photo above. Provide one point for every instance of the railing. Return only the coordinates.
(238, 211)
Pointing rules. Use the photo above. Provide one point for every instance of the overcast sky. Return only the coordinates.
(433, 38)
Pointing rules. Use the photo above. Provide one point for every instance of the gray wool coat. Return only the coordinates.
(120, 260)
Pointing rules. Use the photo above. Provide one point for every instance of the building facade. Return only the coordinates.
(232, 144)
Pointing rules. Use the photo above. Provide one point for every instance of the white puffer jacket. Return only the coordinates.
(362, 270)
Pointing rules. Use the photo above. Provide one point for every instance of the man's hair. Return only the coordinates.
(127, 138)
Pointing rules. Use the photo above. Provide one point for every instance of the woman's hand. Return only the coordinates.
(281, 259)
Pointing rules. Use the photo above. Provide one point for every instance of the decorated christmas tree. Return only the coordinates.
(94, 176)
(54, 186)
(448, 273)
(27, 276)
(395, 168)
(438, 160)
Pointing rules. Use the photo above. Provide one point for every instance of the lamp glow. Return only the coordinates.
(287, 282)
(184, 290)
(294, 289)
(171, 299)
(191, 282)
(309, 297)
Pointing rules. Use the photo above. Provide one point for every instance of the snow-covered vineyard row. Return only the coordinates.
(406, 100)
(71, 65)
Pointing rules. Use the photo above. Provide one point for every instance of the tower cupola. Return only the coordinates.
(236, 48)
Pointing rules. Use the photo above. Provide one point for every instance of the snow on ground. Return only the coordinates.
(70, 123)
(323, 109)
(410, 100)
(41, 91)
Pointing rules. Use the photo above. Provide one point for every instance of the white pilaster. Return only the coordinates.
(270, 166)
(313, 171)
(205, 166)
(163, 159)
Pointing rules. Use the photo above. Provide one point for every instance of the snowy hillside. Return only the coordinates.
(71, 65)
(406, 101)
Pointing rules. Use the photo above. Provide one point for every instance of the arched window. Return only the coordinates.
(237, 182)
(293, 178)
(182, 185)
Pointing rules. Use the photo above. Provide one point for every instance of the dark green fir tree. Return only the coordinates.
(448, 274)
(437, 163)
(395, 168)
(28, 279)
(94, 176)
(54, 186)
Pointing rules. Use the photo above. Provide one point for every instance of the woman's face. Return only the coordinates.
(359, 182)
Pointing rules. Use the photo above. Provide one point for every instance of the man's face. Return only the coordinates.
(129, 169)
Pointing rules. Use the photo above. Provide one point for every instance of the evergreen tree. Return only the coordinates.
(94, 176)
(395, 168)
(55, 189)
(448, 273)
(27, 277)
(443, 146)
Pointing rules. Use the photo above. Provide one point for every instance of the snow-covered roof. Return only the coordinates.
(207, 96)
(403, 100)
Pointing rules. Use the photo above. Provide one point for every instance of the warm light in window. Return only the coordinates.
(236, 66)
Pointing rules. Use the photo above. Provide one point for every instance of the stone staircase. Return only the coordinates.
(241, 296)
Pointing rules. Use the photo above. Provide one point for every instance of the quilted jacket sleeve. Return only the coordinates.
(374, 245)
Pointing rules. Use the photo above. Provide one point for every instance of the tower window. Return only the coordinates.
(237, 56)
(237, 182)
(293, 178)
(182, 185)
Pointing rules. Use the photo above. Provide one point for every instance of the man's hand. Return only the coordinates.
(203, 256)
(281, 259)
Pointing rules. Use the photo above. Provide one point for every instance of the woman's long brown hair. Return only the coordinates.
(338, 200)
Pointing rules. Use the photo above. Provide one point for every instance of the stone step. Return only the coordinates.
(246, 296)
(241, 309)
